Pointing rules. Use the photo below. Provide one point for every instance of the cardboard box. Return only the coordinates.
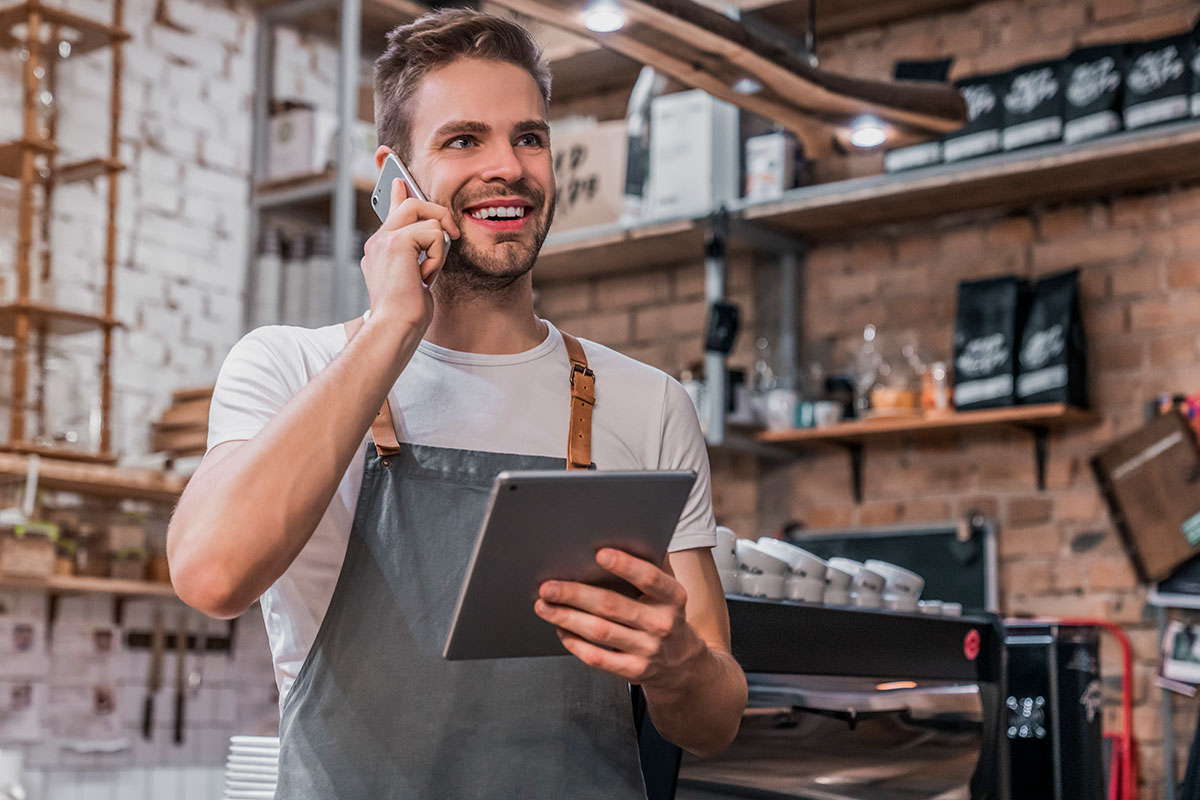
(1151, 482)
(1033, 106)
(589, 170)
(770, 165)
(303, 142)
(1158, 81)
(693, 154)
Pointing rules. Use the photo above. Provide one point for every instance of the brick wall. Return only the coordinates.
(1140, 260)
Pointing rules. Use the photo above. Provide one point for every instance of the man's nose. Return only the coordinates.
(503, 164)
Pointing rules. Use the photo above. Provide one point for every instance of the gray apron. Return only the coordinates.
(376, 713)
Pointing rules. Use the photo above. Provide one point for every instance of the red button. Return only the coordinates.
(971, 645)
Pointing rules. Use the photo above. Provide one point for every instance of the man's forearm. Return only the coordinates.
(241, 523)
(703, 711)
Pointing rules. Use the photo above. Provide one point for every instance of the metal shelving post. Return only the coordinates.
(343, 194)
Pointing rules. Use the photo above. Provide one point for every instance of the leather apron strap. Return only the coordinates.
(583, 400)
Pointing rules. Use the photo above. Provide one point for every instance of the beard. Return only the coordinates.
(475, 269)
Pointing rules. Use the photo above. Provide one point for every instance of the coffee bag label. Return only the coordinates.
(1030, 89)
(982, 356)
(1090, 82)
(980, 99)
(1155, 69)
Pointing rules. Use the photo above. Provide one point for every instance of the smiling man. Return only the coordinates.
(348, 470)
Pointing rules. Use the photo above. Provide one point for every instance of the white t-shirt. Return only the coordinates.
(516, 403)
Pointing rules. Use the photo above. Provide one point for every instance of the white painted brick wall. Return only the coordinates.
(183, 214)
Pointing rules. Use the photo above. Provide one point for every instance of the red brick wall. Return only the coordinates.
(1140, 260)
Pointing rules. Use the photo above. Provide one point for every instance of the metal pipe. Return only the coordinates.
(343, 196)
(264, 72)
(789, 269)
(715, 252)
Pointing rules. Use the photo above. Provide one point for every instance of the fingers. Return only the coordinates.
(648, 578)
(629, 667)
(594, 600)
(596, 629)
(406, 210)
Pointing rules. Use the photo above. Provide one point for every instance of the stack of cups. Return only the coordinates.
(760, 573)
(838, 578)
(805, 579)
(866, 585)
(725, 554)
(902, 588)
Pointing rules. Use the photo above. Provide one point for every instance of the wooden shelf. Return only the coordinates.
(97, 480)
(1038, 420)
(54, 321)
(80, 584)
(12, 151)
(57, 453)
(84, 34)
(313, 195)
(1124, 161)
(86, 170)
(1054, 415)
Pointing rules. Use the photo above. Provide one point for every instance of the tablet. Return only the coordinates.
(549, 525)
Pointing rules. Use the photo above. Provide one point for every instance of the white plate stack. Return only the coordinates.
(252, 768)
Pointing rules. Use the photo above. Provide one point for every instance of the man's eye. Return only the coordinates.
(459, 142)
(532, 140)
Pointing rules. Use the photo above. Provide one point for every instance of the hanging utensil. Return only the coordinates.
(181, 650)
(158, 639)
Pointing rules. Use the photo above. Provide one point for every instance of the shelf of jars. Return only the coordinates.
(96, 480)
(79, 584)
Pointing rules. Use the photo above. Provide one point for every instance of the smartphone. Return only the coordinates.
(381, 198)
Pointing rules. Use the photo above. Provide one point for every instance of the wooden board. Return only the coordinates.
(98, 480)
(840, 16)
(192, 441)
(1104, 167)
(55, 321)
(12, 151)
(194, 393)
(83, 584)
(1048, 415)
(707, 50)
(57, 453)
(86, 170)
(91, 34)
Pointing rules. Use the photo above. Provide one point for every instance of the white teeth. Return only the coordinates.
(502, 212)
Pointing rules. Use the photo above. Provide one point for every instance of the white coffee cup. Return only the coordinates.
(837, 597)
(780, 409)
(805, 590)
(752, 559)
(952, 609)
(931, 607)
(902, 585)
(867, 589)
(847, 565)
(731, 581)
(837, 586)
(801, 563)
(768, 585)
(826, 413)
(725, 551)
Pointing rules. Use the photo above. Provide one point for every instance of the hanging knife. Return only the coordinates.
(154, 681)
(181, 649)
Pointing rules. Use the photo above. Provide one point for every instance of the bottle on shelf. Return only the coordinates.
(321, 276)
(295, 280)
(268, 274)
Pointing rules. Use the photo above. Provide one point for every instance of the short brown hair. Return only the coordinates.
(433, 41)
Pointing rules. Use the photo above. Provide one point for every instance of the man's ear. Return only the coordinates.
(381, 154)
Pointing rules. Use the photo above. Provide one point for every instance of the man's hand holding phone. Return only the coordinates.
(397, 279)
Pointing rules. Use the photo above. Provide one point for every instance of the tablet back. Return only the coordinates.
(549, 525)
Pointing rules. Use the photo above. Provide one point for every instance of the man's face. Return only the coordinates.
(481, 147)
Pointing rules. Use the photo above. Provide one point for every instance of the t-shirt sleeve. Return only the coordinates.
(255, 381)
(683, 447)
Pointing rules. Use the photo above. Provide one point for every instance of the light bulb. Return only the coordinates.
(867, 131)
(604, 18)
(64, 49)
(747, 86)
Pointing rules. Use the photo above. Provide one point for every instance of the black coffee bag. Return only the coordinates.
(1196, 70)
(985, 342)
(985, 118)
(1033, 106)
(1092, 78)
(1158, 81)
(1052, 358)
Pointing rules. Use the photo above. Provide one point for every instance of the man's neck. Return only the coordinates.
(495, 323)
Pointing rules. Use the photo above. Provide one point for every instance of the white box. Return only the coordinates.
(303, 142)
(299, 142)
(770, 165)
(589, 171)
(693, 154)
